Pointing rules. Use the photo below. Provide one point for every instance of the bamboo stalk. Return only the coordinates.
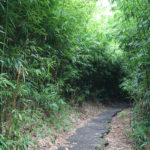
(14, 102)
(3, 49)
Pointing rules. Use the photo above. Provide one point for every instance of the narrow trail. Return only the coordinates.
(90, 137)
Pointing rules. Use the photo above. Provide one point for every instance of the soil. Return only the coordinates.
(90, 136)
(85, 113)
(88, 130)
(119, 137)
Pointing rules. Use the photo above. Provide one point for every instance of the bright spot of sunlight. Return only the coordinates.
(101, 15)
(101, 19)
(103, 8)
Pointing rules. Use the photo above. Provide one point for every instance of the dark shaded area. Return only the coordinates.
(100, 80)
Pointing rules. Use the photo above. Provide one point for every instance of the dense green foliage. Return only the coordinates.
(51, 55)
(134, 35)
(59, 52)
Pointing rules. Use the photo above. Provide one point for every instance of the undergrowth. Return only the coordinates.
(141, 128)
(34, 123)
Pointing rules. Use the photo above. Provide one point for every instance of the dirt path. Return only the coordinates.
(91, 135)
(77, 118)
(119, 137)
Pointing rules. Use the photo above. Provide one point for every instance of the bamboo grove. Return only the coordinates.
(57, 53)
(134, 35)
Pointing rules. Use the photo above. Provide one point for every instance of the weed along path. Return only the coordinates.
(90, 136)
